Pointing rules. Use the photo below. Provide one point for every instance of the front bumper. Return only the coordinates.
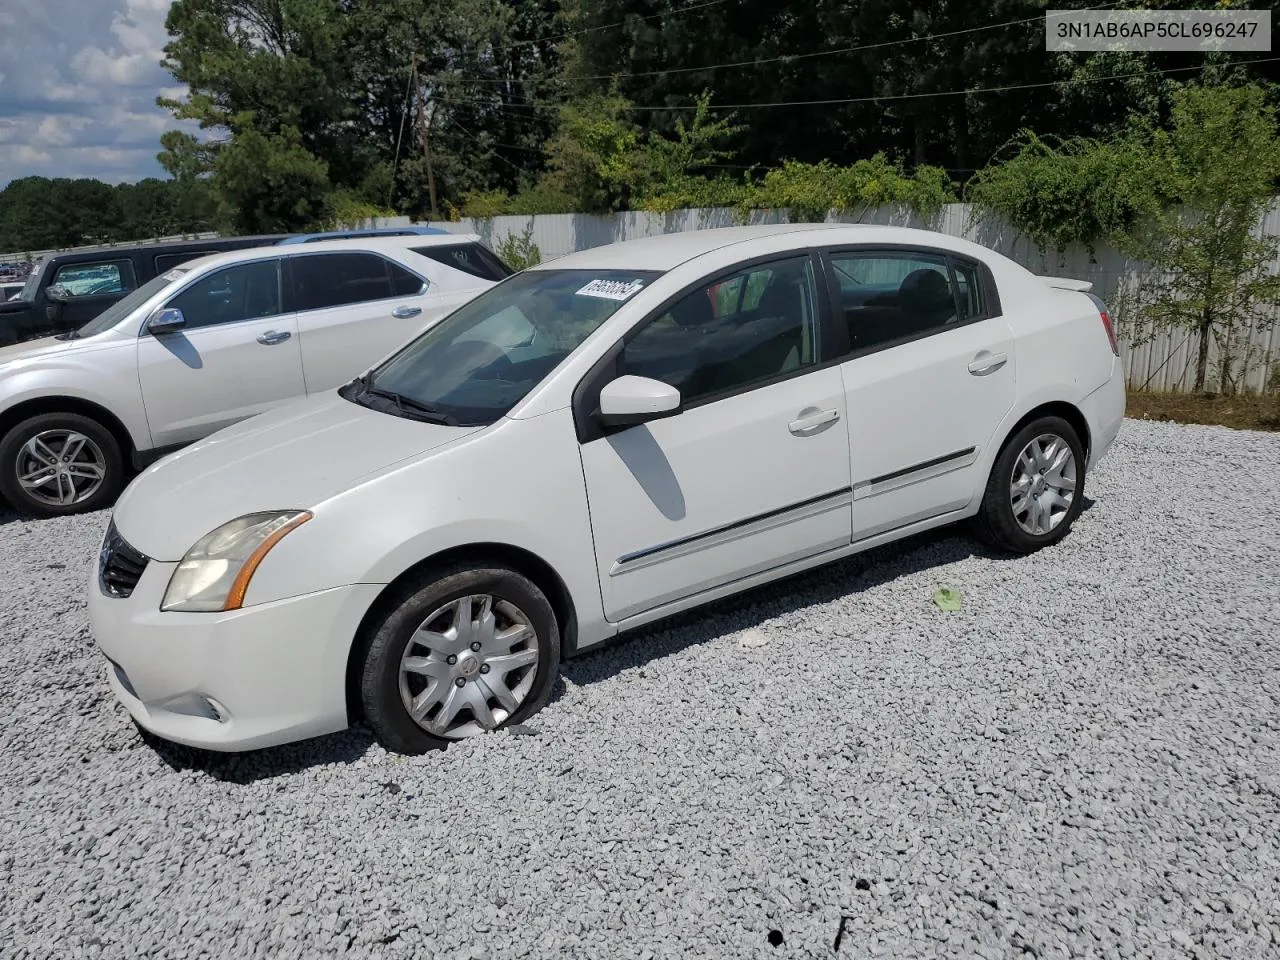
(264, 675)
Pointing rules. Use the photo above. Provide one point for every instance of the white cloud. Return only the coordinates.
(96, 66)
(83, 102)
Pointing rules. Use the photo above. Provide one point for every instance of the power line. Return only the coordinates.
(791, 57)
(621, 23)
(876, 99)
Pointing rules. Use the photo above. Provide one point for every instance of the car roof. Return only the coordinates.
(667, 251)
(368, 233)
(357, 244)
(174, 246)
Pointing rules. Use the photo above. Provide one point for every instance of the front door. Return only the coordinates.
(752, 474)
(930, 377)
(237, 355)
(88, 289)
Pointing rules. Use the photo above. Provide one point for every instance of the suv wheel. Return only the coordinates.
(462, 651)
(55, 464)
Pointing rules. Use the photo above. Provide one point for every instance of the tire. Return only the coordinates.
(95, 449)
(1024, 531)
(522, 685)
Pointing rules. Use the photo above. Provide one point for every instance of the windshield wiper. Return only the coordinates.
(424, 411)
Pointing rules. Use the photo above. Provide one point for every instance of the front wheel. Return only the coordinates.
(1036, 487)
(55, 464)
(462, 651)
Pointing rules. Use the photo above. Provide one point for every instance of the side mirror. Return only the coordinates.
(57, 293)
(166, 320)
(630, 400)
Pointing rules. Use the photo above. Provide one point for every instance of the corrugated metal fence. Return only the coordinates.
(1167, 362)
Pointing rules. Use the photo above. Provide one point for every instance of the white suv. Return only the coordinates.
(209, 343)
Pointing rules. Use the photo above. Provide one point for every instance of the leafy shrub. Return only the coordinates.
(518, 251)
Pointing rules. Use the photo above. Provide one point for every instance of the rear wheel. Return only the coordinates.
(55, 464)
(462, 651)
(1036, 487)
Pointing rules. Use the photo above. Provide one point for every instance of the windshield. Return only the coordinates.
(33, 281)
(109, 317)
(485, 357)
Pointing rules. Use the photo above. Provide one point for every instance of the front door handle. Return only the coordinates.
(404, 313)
(274, 336)
(813, 421)
(986, 362)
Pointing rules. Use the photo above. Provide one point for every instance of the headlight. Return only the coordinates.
(215, 573)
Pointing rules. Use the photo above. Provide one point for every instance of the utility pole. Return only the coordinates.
(425, 127)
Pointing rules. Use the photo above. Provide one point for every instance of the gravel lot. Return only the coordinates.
(1083, 761)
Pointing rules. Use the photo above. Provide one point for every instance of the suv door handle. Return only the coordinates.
(813, 420)
(985, 363)
(274, 336)
(404, 313)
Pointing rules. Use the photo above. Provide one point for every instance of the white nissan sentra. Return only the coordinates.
(584, 448)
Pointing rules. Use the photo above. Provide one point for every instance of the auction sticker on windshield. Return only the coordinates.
(611, 289)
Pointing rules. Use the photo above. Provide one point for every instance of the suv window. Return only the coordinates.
(746, 329)
(337, 279)
(95, 279)
(246, 291)
(470, 258)
(167, 261)
(887, 297)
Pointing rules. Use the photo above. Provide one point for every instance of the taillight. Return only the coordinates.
(1107, 324)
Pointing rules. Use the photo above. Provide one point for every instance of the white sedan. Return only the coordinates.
(591, 445)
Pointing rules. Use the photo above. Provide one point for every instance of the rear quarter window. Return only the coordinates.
(469, 258)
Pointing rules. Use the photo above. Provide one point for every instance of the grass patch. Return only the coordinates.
(1245, 412)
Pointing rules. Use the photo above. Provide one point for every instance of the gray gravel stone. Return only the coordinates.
(1082, 761)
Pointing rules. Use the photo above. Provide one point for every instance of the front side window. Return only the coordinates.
(486, 356)
(247, 291)
(95, 279)
(749, 328)
(886, 297)
(338, 279)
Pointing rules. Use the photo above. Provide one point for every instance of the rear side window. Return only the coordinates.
(339, 279)
(471, 258)
(111, 278)
(890, 297)
(167, 261)
(404, 283)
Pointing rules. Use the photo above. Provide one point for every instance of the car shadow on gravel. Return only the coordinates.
(749, 609)
(253, 766)
(731, 615)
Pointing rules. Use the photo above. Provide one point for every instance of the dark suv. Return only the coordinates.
(66, 290)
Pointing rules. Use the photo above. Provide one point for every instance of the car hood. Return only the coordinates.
(32, 349)
(293, 457)
(15, 306)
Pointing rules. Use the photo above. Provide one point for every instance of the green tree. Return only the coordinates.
(1213, 268)
(271, 183)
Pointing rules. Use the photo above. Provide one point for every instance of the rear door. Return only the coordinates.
(237, 355)
(354, 308)
(929, 377)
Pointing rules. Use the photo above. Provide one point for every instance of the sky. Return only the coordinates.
(78, 83)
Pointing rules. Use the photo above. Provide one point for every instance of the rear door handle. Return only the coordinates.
(274, 336)
(985, 363)
(813, 420)
(404, 313)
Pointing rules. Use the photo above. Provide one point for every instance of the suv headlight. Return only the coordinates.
(215, 573)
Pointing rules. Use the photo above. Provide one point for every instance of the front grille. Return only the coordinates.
(119, 565)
